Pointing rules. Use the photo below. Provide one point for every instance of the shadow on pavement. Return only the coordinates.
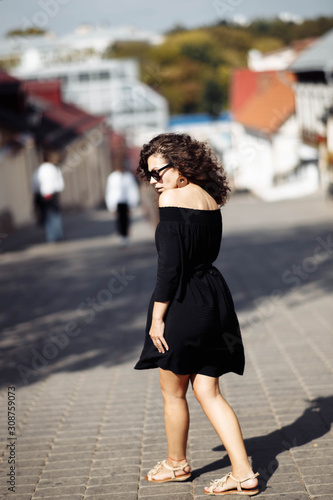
(70, 314)
(314, 423)
(77, 225)
(261, 263)
(78, 309)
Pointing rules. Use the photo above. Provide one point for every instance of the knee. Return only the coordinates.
(173, 387)
(199, 394)
(173, 396)
(205, 393)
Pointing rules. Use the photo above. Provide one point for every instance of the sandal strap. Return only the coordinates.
(155, 470)
(159, 466)
(217, 483)
(174, 469)
(239, 488)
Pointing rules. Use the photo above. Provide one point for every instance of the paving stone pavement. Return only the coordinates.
(88, 426)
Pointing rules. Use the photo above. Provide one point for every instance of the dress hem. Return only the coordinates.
(199, 372)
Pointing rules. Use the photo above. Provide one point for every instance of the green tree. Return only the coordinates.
(139, 50)
(192, 68)
(33, 31)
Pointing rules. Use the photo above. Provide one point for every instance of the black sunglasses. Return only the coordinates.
(156, 173)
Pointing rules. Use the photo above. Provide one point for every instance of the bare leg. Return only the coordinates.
(176, 417)
(223, 419)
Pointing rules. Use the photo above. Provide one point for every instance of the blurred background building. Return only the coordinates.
(314, 101)
(261, 93)
(104, 87)
(108, 87)
(34, 119)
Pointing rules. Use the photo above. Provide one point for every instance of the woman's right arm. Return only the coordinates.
(157, 326)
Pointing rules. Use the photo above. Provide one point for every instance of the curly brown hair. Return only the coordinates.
(194, 159)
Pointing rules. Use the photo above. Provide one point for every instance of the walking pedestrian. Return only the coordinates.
(122, 194)
(47, 183)
(192, 332)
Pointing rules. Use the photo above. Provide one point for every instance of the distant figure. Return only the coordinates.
(122, 194)
(47, 183)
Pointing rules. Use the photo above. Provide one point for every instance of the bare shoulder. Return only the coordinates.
(169, 198)
(191, 196)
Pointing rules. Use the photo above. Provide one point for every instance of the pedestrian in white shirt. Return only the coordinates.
(47, 183)
(122, 194)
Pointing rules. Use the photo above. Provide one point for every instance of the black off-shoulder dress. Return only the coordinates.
(201, 326)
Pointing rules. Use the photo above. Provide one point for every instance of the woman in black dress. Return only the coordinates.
(192, 332)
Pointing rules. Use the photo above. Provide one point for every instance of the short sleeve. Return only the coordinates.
(50, 179)
(169, 261)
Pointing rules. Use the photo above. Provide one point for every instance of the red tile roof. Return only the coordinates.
(68, 115)
(5, 78)
(59, 122)
(65, 121)
(49, 90)
(243, 85)
(263, 101)
(48, 94)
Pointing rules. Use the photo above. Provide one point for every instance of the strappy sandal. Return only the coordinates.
(239, 491)
(173, 477)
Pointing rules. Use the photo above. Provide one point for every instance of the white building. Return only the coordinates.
(314, 87)
(314, 98)
(277, 60)
(108, 87)
(267, 154)
(269, 165)
(85, 41)
(100, 37)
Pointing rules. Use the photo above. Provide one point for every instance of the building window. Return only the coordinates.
(84, 77)
(104, 75)
(63, 78)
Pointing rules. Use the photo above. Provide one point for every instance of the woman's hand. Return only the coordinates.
(156, 333)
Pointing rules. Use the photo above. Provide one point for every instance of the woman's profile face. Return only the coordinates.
(168, 176)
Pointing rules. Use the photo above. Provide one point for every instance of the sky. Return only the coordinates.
(62, 16)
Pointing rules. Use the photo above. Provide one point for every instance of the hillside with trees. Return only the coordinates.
(192, 67)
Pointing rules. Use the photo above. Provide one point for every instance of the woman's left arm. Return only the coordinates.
(168, 275)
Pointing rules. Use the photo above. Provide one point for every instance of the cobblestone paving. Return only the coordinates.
(72, 319)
